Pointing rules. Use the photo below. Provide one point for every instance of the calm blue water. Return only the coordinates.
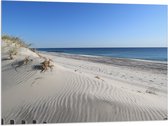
(158, 54)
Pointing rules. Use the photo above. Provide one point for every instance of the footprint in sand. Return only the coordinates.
(97, 77)
(35, 81)
(139, 91)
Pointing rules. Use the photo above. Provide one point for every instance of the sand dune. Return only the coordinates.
(79, 90)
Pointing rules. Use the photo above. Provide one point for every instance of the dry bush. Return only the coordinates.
(47, 64)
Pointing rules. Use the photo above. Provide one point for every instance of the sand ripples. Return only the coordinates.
(83, 99)
(69, 96)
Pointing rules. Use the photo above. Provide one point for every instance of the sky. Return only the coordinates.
(65, 25)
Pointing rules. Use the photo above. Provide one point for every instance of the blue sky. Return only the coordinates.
(56, 24)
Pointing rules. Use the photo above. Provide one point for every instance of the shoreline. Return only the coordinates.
(121, 62)
(136, 59)
(94, 55)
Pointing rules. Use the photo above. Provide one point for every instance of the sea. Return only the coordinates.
(156, 54)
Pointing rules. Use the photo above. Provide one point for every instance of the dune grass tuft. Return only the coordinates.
(12, 52)
(14, 43)
(15, 40)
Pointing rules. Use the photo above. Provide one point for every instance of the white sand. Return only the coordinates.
(79, 90)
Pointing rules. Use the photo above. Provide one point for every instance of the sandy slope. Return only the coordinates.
(82, 91)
